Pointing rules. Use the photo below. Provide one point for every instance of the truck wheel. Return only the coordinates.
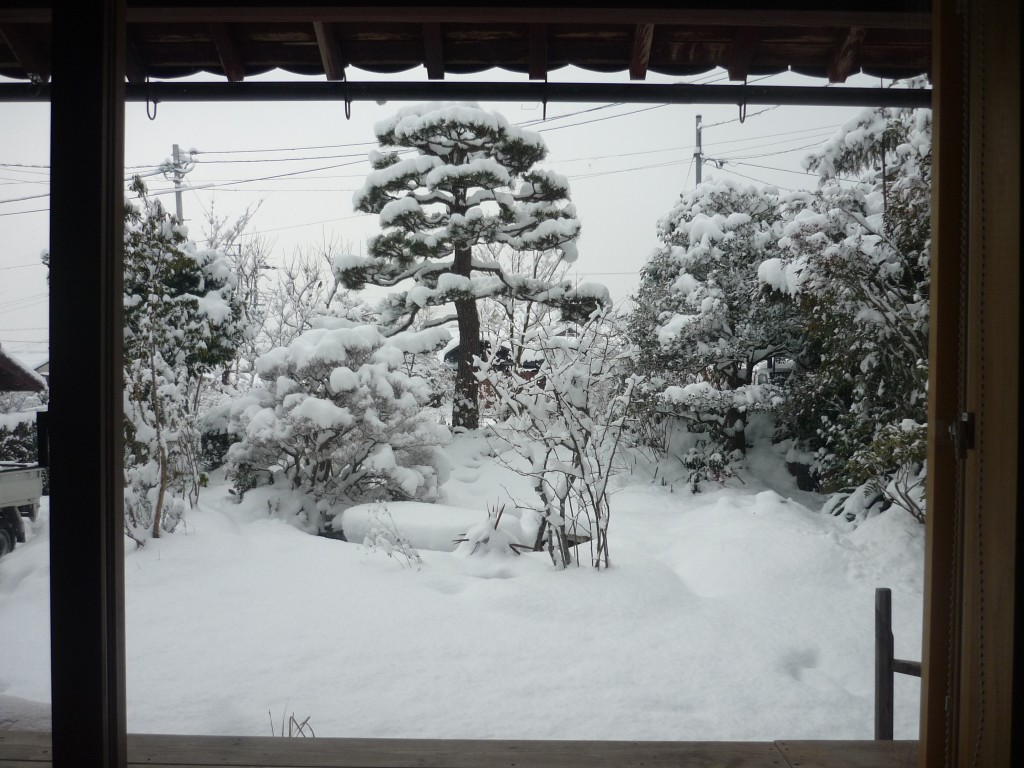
(6, 541)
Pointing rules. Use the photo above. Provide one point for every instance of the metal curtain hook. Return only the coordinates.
(150, 115)
(348, 96)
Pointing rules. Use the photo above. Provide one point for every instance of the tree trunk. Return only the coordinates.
(466, 405)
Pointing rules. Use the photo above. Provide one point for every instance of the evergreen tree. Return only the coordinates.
(703, 321)
(858, 260)
(470, 182)
(182, 321)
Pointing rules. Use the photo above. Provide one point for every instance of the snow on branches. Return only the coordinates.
(183, 320)
(836, 280)
(470, 182)
(567, 422)
(338, 416)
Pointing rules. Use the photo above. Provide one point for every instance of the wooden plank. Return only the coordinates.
(742, 52)
(33, 61)
(538, 53)
(330, 50)
(30, 748)
(640, 55)
(433, 50)
(154, 750)
(846, 54)
(227, 51)
(850, 754)
(904, 15)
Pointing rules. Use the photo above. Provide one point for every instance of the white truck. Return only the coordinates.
(21, 485)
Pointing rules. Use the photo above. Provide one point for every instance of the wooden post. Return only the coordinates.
(86, 384)
(883, 664)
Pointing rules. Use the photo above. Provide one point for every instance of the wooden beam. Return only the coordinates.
(741, 53)
(994, 488)
(433, 50)
(28, 55)
(330, 50)
(847, 49)
(538, 53)
(732, 17)
(134, 68)
(640, 58)
(86, 331)
(33, 748)
(227, 51)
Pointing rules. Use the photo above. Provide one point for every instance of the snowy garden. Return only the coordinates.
(491, 504)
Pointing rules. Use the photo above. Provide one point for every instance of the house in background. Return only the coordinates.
(43, 371)
(17, 377)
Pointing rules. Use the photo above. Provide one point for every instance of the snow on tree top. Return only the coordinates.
(418, 119)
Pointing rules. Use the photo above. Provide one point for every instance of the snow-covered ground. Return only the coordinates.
(740, 613)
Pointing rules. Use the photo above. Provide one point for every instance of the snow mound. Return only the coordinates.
(433, 527)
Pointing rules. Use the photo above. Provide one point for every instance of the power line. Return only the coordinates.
(16, 213)
(601, 119)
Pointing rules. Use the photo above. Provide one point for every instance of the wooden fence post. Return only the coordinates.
(883, 664)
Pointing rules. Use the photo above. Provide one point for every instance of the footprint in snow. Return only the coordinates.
(796, 661)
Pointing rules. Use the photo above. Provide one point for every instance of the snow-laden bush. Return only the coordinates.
(567, 423)
(336, 414)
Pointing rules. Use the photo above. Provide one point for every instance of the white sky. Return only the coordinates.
(626, 165)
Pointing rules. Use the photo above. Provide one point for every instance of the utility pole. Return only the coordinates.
(178, 176)
(697, 155)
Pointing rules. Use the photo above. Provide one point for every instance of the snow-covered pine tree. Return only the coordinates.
(470, 181)
(182, 321)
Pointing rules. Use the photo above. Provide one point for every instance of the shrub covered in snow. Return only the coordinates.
(567, 423)
(336, 414)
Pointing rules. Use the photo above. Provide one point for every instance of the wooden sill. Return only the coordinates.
(27, 749)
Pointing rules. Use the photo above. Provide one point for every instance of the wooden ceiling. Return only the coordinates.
(237, 40)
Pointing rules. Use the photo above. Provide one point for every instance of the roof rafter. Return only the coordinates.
(227, 51)
(640, 58)
(330, 50)
(846, 54)
(538, 52)
(27, 54)
(134, 67)
(433, 50)
(744, 43)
